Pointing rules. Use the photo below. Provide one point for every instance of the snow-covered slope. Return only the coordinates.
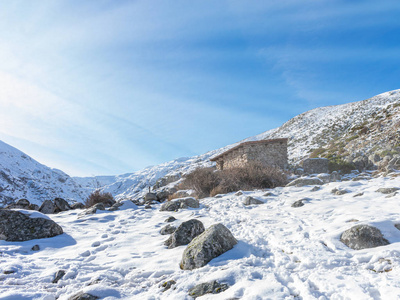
(337, 125)
(282, 253)
(23, 177)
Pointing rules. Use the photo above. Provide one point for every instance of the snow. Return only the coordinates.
(283, 252)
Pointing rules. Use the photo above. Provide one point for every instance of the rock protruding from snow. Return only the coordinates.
(363, 236)
(185, 233)
(47, 207)
(83, 296)
(16, 226)
(170, 219)
(215, 241)
(212, 287)
(387, 190)
(250, 200)
(61, 204)
(180, 203)
(167, 229)
(93, 209)
(60, 274)
(299, 182)
(315, 165)
(298, 203)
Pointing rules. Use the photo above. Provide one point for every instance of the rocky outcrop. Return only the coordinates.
(362, 237)
(83, 296)
(185, 233)
(298, 203)
(212, 287)
(180, 203)
(16, 226)
(303, 181)
(215, 241)
(315, 165)
(387, 190)
(61, 204)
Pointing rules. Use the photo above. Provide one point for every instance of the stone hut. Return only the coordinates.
(271, 152)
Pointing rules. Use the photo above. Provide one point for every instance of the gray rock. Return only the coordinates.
(358, 195)
(397, 226)
(162, 196)
(299, 171)
(170, 206)
(23, 203)
(268, 194)
(77, 205)
(185, 233)
(168, 229)
(341, 192)
(17, 227)
(315, 165)
(305, 181)
(35, 248)
(60, 274)
(215, 241)
(391, 195)
(250, 200)
(180, 203)
(93, 209)
(298, 203)
(212, 287)
(168, 284)
(61, 204)
(170, 219)
(325, 177)
(33, 207)
(387, 190)
(83, 296)
(239, 193)
(315, 188)
(362, 237)
(47, 207)
(147, 206)
(335, 176)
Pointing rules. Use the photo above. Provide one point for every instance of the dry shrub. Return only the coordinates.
(99, 197)
(202, 181)
(207, 182)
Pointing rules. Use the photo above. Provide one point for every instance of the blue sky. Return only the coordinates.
(110, 87)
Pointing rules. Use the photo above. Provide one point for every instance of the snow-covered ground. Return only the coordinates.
(283, 252)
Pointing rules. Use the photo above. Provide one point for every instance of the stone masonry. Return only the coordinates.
(268, 152)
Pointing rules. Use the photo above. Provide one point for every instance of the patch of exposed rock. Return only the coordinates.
(303, 181)
(180, 203)
(215, 241)
(168, 229)
(250, 200)
(212, 287)
(16, 226)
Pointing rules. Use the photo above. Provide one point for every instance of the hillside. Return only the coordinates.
(351, 131)
(23, 177)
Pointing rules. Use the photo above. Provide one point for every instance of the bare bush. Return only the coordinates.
(99, 197)
(208, 182)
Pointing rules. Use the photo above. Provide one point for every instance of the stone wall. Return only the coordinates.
(268, 153)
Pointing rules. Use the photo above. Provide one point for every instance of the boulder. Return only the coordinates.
(298, 203)
(315, 165)
(212, 287)
(362, 237)
(60, 274)
(23, 203)
(185, 233)
(168, 229)
(250, 200)
(33, 207)
(61, 204)
(93, 209)
(162, 196)
(180, 203)
(387, 190)
(303, 181)
(83, 296)
(16, 226)
(170, 219)
(47, 207)
(215, 241)
(77, 205)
